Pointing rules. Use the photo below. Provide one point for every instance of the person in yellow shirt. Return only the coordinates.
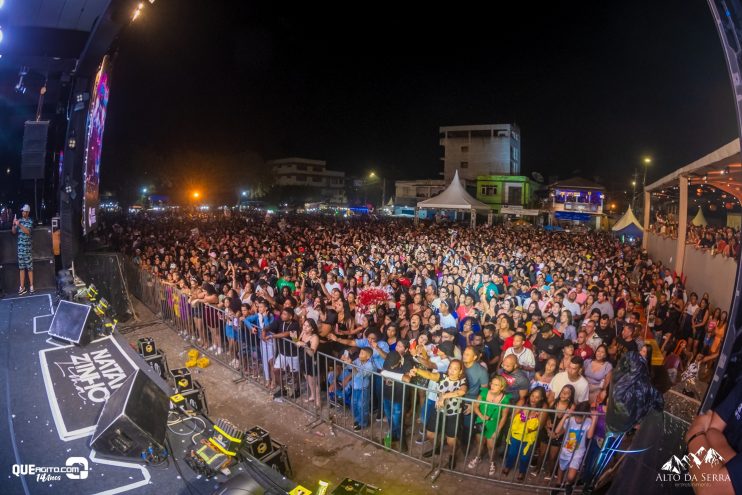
(523, 433)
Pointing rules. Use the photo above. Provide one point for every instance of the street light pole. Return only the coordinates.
(647, 162)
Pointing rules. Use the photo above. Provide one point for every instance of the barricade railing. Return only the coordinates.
(525, 450)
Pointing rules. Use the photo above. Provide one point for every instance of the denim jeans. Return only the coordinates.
(393, 413)
(377, 383)
(515, 452)
(361, 400)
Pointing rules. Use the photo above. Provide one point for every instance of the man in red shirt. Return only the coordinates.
(583, 349)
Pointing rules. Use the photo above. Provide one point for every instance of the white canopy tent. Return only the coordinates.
(454, 197)
(700, 219)
(627, 219)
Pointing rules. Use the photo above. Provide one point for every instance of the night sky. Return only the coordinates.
(593, 87)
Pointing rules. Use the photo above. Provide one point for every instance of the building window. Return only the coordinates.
(465, 149)
(317, 179)
(515, 195)
(464, 165)
(301, 178)
(301, 167)
(488, 190)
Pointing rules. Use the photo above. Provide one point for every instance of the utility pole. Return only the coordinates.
(633, 186)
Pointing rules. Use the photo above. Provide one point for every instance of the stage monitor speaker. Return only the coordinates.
(70, 323)
(240, 484)
(33, 154)
(133, 419)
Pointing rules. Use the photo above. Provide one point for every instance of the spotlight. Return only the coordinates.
(1, 33)
(138, 12)
(72, 143)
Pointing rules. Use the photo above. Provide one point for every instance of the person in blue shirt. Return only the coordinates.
(362, 369)
(379, 347)
(266, 351)
(380, 350)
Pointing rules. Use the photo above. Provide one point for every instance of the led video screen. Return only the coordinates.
(94, 144)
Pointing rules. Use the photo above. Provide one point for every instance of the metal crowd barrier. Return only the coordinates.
(368, 405)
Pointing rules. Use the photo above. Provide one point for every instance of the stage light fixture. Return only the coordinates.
(1, 34)
(72, 143)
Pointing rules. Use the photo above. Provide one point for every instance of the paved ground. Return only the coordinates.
(314, 454)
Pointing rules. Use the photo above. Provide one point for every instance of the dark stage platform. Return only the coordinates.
(51, 395)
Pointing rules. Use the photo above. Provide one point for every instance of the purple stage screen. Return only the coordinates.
(94, 145)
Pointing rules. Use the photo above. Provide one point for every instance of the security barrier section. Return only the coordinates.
(507, 444)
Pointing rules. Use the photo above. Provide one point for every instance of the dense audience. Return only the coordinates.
(493, 315)
(724, 241)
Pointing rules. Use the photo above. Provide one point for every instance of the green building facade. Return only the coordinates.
(505, 190)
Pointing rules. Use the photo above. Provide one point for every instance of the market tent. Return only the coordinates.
(699, 220)
(628, 225)
(455, 197)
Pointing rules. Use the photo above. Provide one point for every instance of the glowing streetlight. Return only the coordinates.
(196, 195)
(244, 194)
(372, 175)
(144, 190)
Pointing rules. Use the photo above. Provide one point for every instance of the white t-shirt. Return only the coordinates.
(575, 441)
(332, 286)
(525, 358)
(582, 388)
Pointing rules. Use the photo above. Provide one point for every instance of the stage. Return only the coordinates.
(52, 394)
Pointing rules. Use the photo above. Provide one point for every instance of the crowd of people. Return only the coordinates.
(483, 320)
(724, 241)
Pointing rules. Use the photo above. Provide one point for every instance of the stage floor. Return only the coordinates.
(42, 428)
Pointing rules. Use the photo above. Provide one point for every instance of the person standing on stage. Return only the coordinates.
(22, 227)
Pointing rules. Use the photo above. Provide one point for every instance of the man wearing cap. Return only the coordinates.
(22, 226)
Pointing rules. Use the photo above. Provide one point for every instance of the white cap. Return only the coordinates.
(26, 208)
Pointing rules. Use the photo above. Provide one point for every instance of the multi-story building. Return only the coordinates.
(409, 192)
(320, 184)
(499, 191)
(575, 201)
(476, 150)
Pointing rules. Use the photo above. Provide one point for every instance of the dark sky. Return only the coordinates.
(593, 87)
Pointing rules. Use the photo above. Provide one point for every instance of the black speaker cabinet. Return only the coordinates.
(159, 364)
(147, 346)
(195, 399)
(278, 459)
(70, 323)
(257, 442)
(133, 419)
(350, 486)
(182, 379)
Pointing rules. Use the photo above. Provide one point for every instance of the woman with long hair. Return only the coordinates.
(308, 343)
(597, 372)
(415, 328)
(698, 323)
